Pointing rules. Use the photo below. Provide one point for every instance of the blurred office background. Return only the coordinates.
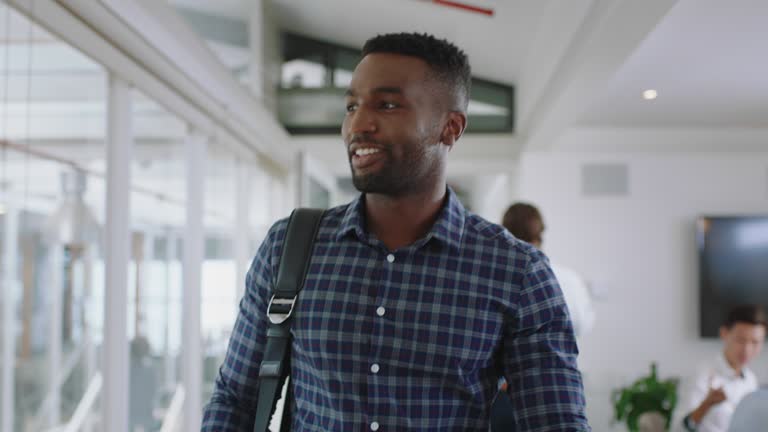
(146, 147)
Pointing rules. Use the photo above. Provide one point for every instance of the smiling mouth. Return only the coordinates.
(365, 157)
(366, 151)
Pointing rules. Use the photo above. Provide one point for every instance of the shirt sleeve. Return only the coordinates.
(694, 391)
(540, 351)
(233, 403)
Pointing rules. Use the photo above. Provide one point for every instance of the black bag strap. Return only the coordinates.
(275, 365)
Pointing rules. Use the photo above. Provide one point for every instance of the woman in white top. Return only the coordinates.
(524, 221)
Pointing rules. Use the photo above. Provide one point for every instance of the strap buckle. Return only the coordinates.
(280, 309)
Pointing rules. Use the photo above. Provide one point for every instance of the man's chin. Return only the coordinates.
(370, 184)
(363, 184)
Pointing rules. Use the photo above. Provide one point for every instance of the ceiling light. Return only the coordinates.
(650, 94)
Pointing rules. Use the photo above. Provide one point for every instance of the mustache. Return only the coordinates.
(363, 138)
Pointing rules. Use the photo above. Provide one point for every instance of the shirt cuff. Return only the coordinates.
(689, 424)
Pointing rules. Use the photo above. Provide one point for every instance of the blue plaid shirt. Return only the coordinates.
(410, 340)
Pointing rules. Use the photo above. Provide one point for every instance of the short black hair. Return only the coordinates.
(449, 63)
(524, 221)
(748, 314)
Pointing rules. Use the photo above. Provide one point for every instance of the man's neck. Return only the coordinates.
(400, 221)
(739, 370)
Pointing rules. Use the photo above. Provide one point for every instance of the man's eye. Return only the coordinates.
(351, 107)
(388, 105)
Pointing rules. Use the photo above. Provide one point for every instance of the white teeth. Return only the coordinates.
(366, 151)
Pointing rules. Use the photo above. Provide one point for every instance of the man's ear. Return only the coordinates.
(454, 128)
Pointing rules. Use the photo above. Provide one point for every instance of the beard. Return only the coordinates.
(396, 177)
(391, 179)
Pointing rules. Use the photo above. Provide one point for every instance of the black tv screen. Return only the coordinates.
(733, 266)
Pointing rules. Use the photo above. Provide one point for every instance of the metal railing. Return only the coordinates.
(69, 364)
(85, 406)
(171, 422)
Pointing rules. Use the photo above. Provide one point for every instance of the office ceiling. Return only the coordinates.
(708, 61)
(706, 58)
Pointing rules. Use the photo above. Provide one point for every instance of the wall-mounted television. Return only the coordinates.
(733, 266)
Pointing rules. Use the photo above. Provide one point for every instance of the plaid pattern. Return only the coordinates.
(441, 322)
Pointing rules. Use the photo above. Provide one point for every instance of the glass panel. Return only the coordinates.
(315, 75)
(490, 108)
(305, 63)
(219, 282)
(158, 215)
(308, 72)
(52, 129)
(346, 61)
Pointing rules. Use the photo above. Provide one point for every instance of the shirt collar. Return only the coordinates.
(448, 228)
(726, 370)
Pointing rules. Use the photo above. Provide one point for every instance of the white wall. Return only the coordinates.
(639, 252)
(489, 195)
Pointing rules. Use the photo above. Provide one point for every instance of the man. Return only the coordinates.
(525, 222)
(412, 307)
(711, 398)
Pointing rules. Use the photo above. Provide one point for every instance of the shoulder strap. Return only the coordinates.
(275, 365)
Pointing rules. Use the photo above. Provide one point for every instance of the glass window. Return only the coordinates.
(52, 129)
(308, 72)
(155, 288)
(346, 61)
(316, 74)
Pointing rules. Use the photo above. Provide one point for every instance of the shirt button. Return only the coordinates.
(375, 368)
(380, 311)
(391, 258)
(375, 426)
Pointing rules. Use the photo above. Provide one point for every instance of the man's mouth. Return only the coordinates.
(365, 157)
(366, 151)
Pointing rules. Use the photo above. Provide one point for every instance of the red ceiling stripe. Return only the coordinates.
(477, 9)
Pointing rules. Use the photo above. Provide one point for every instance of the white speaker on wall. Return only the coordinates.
(604, 180)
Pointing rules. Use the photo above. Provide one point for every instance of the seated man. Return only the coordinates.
(710, 399)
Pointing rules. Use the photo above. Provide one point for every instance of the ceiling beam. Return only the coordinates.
(217, 28)
(611, 31)
(663, 140)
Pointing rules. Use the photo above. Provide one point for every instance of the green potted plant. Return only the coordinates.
(646, 395)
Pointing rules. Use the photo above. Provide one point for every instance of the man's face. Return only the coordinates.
(392, 129)
(743, 342)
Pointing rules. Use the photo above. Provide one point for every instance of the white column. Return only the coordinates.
(9, 298)
(256, 42)
(283, 196)
(299, 180)
(147, 258)
(117, 252)
(192, 356)
(91, 360)
(170, 359)
(55, 304)
(241, 235)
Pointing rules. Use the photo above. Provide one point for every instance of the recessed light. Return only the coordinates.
(650, 94)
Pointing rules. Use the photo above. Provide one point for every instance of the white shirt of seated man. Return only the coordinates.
(710, 397)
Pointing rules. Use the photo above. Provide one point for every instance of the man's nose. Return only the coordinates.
(362, 120)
